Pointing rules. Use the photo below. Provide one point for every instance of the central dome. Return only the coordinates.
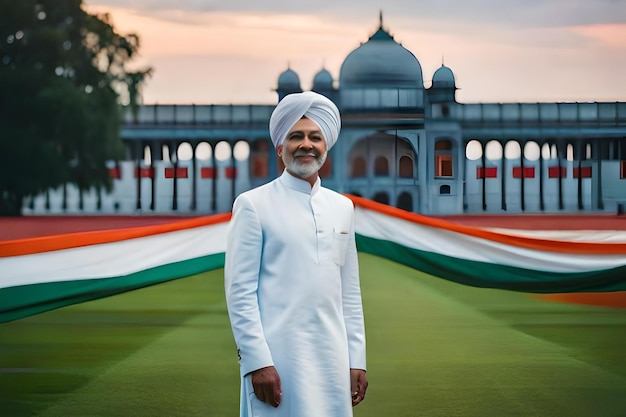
(381, 61)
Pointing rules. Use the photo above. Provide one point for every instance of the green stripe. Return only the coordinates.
(27, 300)
(486, 275)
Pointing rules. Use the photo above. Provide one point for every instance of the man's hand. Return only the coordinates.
(358, 385)
(266, 385)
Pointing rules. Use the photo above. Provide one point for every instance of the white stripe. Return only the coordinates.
(113, 259)
(445, 242)
(129, 256)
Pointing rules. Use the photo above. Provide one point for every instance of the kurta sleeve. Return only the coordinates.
(241, 279)
(352, 304)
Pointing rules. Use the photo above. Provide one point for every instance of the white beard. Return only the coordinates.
(304, 170)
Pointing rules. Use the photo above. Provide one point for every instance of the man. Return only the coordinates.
(292, 279)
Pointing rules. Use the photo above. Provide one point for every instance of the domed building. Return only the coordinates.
(383, 103)
(402, 143)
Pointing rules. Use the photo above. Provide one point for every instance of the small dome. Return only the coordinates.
(323, 80)
(443, 78)
(289, 80)
(381, 60)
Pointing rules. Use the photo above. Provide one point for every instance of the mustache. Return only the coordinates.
(301, 152)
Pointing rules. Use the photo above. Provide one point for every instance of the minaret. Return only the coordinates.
(288, 82)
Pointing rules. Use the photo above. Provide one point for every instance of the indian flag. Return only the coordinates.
(45, 273)
(514, 260)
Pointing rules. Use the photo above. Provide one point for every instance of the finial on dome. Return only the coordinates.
(380, 17)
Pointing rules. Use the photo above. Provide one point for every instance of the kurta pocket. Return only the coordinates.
(340, 246)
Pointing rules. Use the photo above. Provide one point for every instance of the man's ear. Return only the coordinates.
(279, 150)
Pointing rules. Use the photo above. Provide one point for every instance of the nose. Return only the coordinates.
(307, 143)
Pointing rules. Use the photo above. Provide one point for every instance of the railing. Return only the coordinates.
(595, 113)
(190, 114)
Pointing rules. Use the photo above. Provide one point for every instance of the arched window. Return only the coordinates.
(444, 162)
(473, 150)
(382, 197)
(444, 189)
(569, 152)
(358, 167)
(493, 150)
(147, 156)
(241, 150)
(381, 167)
(405, 201)
(184, 152)
(405, 167)
(443, 145)
(223, 151)
(512, 150)
(165, 152)
(203, 151)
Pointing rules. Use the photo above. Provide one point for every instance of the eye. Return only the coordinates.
(294, 136)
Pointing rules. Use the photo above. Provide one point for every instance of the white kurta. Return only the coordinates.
(294, 298)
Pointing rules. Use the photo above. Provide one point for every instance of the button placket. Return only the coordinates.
(318, 231)
(324, 233)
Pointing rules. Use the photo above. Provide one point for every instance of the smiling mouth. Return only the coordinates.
(305, 156)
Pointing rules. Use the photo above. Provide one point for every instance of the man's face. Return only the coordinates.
(304, 149)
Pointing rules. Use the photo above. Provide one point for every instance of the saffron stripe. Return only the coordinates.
(29, 246)
(508, 239)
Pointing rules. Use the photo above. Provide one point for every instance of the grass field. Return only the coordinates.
(435, 348)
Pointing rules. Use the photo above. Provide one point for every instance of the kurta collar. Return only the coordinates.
(298, 184)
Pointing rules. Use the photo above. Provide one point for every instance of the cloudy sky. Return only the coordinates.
(222, 52)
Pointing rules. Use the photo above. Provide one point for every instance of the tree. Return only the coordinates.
(62, 73)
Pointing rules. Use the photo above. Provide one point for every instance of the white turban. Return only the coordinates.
(311, 105)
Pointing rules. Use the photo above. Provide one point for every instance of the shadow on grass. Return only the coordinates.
(593, 334)
(45, 357)
(441, 349)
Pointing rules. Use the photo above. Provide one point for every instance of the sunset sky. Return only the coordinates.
(232, 52)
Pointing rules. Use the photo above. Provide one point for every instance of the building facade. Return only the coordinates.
(401, 144)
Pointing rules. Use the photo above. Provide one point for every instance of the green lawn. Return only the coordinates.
(435, 348)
